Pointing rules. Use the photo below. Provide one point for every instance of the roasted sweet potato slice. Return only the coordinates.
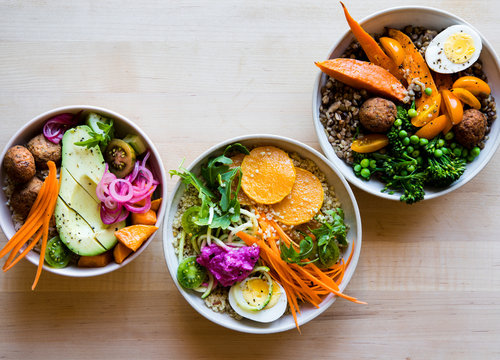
(303, 202)
(268, 175)
(135, 235)
(121, 252)
(96, 261)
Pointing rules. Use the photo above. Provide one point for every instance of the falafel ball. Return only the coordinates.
(377, 114)
(19, 164)
(43, 150)
(25, 195)
(471, 130)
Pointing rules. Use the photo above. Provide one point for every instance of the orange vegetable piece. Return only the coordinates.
(120, 253)
(364, 75)
(443, 81)
(303, 202)
(394, 49)
(372, 50)
(475, 85)
(100, 260)
(155, 204)
(467, 97)
(427, 112)
(433, 128)
(147, 218)
(135, 235)
(242, 197)
(370, 143)
(415, 66)
(452, 107)
(268, 175)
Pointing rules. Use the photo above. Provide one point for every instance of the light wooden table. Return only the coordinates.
(191, 74)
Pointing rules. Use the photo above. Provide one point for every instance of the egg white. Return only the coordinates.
(436, 58)
(264, 315)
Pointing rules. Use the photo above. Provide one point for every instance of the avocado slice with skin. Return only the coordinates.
(77, 212)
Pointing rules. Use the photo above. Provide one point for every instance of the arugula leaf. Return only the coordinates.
(101, 138)
(291, 256)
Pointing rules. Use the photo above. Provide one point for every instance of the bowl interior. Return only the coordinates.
(352, 219)
(123, 126)
(398, 18)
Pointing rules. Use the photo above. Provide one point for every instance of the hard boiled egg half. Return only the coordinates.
(454, 49)
(258, 298)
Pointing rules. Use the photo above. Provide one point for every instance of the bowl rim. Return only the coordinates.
(90, 272)
(319, 129)
(330, 299)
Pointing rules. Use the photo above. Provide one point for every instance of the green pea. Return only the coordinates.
(410, 168)
(404, 172)
(357, 168)
(373, 164)
(428, 91)
(445, 150)
(365, 163)
(414, 139)
(412, 113)
(406, 141)
(470, 158)
(449, 135)
(457, 152)
(403, 134)
(415, 154)
(365, 173)
(453, 145)
(420, 160)
(440, 143)
(475, 151)
(465, 152)
(438, 153)
(398, 122)
(423, 141)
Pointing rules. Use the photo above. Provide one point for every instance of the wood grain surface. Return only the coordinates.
(194, 73)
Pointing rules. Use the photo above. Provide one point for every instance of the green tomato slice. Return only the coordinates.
(190, 274)
(57, 255)
(189, 219)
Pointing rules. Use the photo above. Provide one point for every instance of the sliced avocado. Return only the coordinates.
(77, 212)
(75, 232)
(85, 165)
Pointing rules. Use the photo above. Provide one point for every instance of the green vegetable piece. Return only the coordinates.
(414, 139)
(120, 157)
(57, 255)
(428, 91)
(189, 221)
(412, 113)
(475, 151)
(136, 142)
(329, 254)
(438, 153)
(449, 135)
(406, 141)
(365, 163)
(403, 134)
(365, 173)
(190, 274)
(423, 142)
(440, 143)
(398, 122)
(357, 168)
(101, 131)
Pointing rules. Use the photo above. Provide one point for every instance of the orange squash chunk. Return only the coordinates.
(155, 204)
(268, 175)
(242, 197)
(120, 252)
(303, 202)
(133, 236)
(95, 261)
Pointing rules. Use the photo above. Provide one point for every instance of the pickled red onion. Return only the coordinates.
(55, 127)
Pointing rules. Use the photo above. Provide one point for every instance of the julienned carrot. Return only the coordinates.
(372, 50)
(48, 215)
(13, 260)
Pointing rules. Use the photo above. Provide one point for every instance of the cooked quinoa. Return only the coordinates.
(340, 104)
(218, 299)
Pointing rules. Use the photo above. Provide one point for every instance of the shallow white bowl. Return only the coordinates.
(352, 218)
(123, 125)
(400, 17)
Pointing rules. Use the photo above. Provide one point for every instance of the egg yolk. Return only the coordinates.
(256, 292)
(459, 48)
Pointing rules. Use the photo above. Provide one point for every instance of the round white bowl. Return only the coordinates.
(352, 219)
(400, 17)
(123, 125)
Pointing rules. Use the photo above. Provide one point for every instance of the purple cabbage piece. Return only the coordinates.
(229, 266)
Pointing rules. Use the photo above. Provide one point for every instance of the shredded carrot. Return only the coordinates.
(36, 224)
(306, 283)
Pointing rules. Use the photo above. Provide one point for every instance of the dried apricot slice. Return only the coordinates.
(303, 202)
(242, 197)
(268, 175)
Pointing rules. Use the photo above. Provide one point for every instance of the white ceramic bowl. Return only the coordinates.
(123, 125)
(352, 218)
(400, 17)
